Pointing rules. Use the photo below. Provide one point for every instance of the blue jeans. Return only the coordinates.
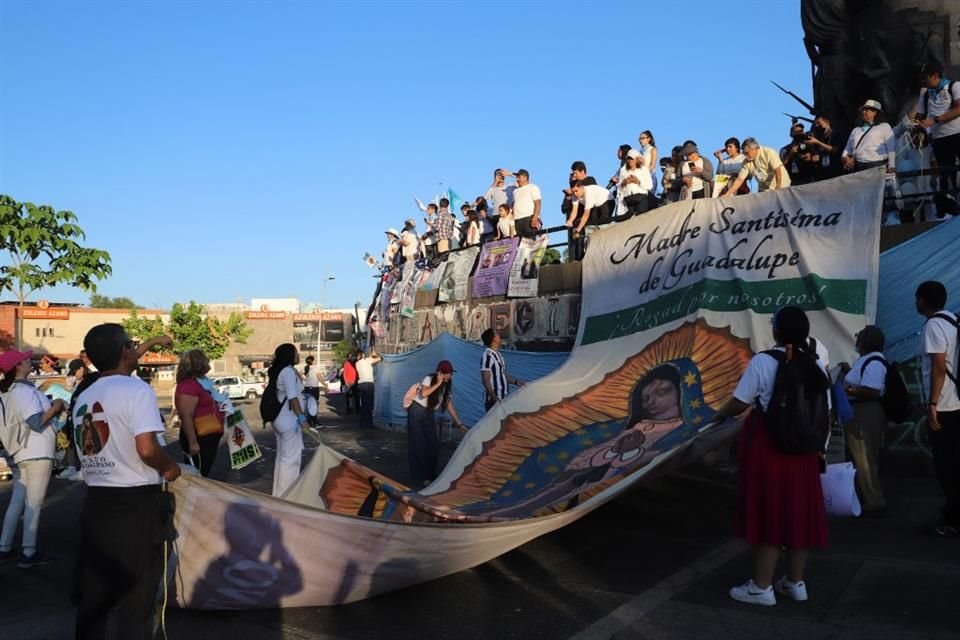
(30, 480)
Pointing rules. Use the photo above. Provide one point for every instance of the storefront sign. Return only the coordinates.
(265, 315)
(38, 313)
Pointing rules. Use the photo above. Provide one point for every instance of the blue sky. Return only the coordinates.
(228, 150)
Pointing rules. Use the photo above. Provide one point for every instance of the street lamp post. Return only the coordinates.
(323, 301)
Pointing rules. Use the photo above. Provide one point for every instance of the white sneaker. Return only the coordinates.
(793, 590)
(752, 594)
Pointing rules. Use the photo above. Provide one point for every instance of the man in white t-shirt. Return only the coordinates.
(526, 205)
(126, 513)
(939, 349)
(939, 107)
(365, 386)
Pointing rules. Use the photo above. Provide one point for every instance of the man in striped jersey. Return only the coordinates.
(493, 371)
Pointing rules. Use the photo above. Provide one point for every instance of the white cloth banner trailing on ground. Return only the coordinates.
(675, 302)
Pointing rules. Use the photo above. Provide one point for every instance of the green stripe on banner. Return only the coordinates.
(811, 293)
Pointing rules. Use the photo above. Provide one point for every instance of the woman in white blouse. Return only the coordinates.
(634, 185)
(292, 418)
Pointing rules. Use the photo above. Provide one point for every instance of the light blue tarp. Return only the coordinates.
(395, 374)
(934, 255)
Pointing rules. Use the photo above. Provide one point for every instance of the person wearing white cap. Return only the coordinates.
(410, 241)
(635, 183)
(391, 251)
(31, 442)
(872, 143)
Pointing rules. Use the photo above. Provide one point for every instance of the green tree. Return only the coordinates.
(143, 328)
(550, 255)
(342, 350)
(98, 301)
(44, 250)
(190, 328)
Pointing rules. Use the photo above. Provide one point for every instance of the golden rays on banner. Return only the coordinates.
(521, 471)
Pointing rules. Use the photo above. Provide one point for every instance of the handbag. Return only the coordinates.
(839, 494)
(207, 425)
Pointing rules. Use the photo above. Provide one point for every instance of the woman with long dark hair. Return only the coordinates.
(423, 445)
(779, 498)
(289, 422)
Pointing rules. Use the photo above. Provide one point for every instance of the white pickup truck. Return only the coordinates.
(235, 387)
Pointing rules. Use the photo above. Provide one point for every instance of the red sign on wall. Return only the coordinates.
(48, 313)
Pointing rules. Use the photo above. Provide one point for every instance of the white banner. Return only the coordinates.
(679, 298)
(726, 256)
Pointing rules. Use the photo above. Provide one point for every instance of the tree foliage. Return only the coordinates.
(191, 328)
(550, 255)
(342, 350)
(98, 301)
(44, 250)
(141, 329)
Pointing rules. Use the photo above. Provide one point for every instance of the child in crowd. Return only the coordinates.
(505, 225)
(473, 229)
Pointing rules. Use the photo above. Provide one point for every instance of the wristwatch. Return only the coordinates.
(936, 119)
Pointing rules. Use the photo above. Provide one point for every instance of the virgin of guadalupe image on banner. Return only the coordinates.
(550, 460)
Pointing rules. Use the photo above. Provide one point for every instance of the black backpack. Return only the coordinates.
(797, 418)
(269, 405)
(896, 399)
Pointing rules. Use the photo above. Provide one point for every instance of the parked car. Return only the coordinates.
(236, 387)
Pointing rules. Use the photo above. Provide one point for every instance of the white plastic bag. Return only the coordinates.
(839, 494)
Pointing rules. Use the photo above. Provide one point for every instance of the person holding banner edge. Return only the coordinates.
(779, 497)
(493, 371)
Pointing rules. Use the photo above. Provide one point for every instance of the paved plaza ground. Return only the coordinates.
(655, 563)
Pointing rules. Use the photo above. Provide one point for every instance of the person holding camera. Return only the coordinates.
(797, 156)
(871, 144)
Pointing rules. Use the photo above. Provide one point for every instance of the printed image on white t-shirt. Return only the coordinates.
(107, 418)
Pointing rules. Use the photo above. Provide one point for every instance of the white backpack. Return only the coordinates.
(13, 437)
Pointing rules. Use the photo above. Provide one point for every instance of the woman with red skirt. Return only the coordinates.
(779, 498)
